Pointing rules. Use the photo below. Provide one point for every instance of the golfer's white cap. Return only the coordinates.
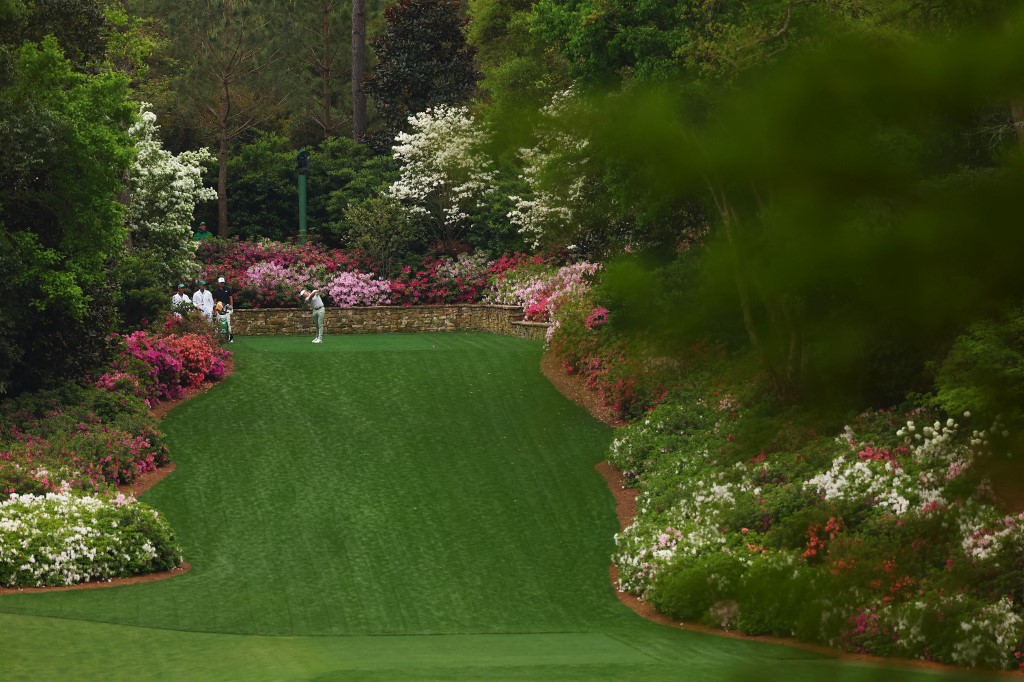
(220, 279)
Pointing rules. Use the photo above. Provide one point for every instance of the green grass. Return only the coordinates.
(382, 507)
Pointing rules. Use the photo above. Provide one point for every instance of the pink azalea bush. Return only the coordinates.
(539, 290)
(267, 275)
(77, 438)
(100, 435)
(347, 289)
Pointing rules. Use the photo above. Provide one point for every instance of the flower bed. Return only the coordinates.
(883, 540)
(95, 437)
(76, 439)
(630, 377)
(268, 275)
(64, 539)
(160, 366)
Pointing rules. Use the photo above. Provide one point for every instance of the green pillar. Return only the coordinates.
(302, 209)
(302, 167)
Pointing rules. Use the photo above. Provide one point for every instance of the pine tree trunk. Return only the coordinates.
(358, 69)
(222, 158)
(222, 188)
(325, 73)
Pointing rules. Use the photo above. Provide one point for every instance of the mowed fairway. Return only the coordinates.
(383, 507)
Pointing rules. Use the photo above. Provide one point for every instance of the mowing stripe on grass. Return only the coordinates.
(383, 485)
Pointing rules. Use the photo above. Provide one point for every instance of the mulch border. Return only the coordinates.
(573, 387)
(136, 489)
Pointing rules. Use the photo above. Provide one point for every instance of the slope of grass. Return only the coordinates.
(434, 488)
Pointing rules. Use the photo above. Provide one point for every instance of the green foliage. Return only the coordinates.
(381, 228)
(845, 216)
(351, 175)
(262, 190)
(66, 150)
(142, 296)
(984, 370)
(78, 26)
(702, 589)
(519, 71)
(619, 41)
(422, 60)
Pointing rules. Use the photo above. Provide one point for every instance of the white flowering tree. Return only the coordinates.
(556, 170)
(445, 173)
(163, 190)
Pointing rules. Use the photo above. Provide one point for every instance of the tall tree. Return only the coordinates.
(358, 69)
(226, 49)
(66, 150)
(423, 60)
(324, 33)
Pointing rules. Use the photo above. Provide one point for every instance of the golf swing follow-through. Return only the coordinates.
(312, 296)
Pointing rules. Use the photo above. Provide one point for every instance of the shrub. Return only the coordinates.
(984, 370)
(349, 289)
(64, 539)
(880, 540)
(76, 438)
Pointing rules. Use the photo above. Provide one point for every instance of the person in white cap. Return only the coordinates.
(203, 300)
(312, 297)
(224, 295)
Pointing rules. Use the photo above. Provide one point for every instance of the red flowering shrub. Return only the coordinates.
(629, 377)
(197, 355)
(268, 274)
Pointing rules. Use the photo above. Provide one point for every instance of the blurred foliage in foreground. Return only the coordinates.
(859, 215)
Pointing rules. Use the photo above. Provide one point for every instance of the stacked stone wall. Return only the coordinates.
(506, 320)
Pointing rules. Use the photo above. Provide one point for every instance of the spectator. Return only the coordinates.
(224, 295)
(180, 300)
(202, 233)
(203, 301)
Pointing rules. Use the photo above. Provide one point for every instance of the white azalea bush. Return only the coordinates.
(64, 539)
(884, 540)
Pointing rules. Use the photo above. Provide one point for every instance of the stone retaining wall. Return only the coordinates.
(506, 320)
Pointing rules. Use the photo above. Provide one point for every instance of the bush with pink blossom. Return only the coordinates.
(348, 289)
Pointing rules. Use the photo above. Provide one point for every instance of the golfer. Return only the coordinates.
(313, 298)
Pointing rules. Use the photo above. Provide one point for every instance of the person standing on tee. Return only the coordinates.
(203, 300)
(313, 299)
(224, 295)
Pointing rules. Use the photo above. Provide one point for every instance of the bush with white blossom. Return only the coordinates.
(445, 172)
(557, 173)
(883, 540)
(63, 539)
(163, 190)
